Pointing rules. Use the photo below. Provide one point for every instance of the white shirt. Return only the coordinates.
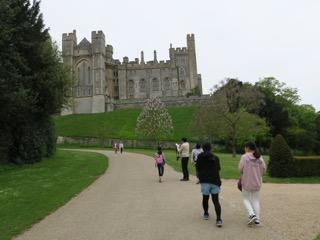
(195, 153)
(184, 149)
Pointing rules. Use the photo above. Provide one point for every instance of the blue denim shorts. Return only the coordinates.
(209, 188)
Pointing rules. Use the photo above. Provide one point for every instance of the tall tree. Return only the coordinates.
(33, 82)
(228, 114)
(154, 122)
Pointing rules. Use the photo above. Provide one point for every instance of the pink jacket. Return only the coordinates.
(252, 170)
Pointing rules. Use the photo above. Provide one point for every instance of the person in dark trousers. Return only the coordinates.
(208, 168)
(160, 162)
(184, 150)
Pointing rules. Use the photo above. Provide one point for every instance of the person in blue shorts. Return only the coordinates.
(208, 168)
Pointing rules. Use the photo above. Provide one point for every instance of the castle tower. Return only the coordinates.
(98, 63)
(192, 61)
(69, 42)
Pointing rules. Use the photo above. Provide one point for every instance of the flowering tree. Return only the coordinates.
(154, 122)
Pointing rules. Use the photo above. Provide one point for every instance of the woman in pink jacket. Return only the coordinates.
(251, 167)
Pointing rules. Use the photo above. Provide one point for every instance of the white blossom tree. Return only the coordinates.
(154, 122)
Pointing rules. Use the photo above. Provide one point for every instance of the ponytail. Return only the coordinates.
(253, 147)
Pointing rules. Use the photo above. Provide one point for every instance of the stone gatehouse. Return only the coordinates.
(102, 82)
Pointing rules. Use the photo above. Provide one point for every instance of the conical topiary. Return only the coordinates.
(281, 159)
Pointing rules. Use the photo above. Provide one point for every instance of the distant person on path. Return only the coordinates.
(121, 146)
(184, 150)
(160, 162)
(115, 147)
(208, 168)
(194, 154)
(251, 167)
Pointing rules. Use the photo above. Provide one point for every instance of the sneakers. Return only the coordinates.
(160, 180)
(206, 216)
(257, 222)
(219, 223)
(252, 219)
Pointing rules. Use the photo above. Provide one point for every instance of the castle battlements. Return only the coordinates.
(97, 34)
(69, 36)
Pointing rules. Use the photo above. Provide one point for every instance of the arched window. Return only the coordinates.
(183, 85)
(155, 84)
(182, 73)
(167, 84)
(131, 88)
(84, 73)
(142, 85)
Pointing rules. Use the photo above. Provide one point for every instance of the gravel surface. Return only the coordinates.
(128, 202)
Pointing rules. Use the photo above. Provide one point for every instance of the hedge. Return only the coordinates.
(307, 166)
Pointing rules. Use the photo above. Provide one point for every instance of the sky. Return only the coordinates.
(245, 39)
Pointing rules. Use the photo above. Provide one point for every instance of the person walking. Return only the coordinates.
(121, 146)
(183, 150)
(194, 154)
(251, 167)
(115, 147)
(208, 168)
(160, 162)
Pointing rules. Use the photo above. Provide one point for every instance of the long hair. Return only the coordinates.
(159, 150)
(206, 147)
(253, 147)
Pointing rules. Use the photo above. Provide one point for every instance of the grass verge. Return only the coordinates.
(28, 193)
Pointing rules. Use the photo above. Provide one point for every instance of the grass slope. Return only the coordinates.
(120, 124)
(29, 193)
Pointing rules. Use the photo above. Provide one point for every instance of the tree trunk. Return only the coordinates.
(233, 142)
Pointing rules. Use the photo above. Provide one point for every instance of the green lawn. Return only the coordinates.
(317, 238)
(29, 193)
(120, 124)
(229, 165)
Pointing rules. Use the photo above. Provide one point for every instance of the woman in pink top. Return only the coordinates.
(252, 167)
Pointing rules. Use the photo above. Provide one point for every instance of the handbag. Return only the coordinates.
(239, 184)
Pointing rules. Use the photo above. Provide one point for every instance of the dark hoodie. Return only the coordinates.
(208, 167)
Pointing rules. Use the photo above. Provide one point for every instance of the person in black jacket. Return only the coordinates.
(208, 168)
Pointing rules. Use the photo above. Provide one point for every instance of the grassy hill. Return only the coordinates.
(120, 124)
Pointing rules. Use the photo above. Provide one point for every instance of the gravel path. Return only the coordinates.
(128, 203)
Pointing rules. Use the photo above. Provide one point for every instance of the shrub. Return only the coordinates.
(307, 166)
(281, 163)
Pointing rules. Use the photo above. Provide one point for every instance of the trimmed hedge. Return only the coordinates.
(307, 166)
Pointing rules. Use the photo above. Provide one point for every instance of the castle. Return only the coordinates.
(102, 83)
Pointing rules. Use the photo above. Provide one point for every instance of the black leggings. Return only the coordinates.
(160, 169)
(216, 203)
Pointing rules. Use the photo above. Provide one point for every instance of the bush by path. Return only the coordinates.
(29, 193)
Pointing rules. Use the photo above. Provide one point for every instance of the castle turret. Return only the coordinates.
(192, 61)
(155, 60)
(69, 42)
(109, 52)
(142, 58)
(99, 84)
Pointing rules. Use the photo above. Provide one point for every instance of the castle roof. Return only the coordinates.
(84, 44)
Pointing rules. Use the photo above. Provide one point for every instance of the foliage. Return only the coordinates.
(281, 162)
(33, 82)
(307, 166)
(121, 123)
(227, 115)
(154, 122)
(31, 192)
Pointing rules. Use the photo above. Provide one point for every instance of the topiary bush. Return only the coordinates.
(307, 166)
(281, 163)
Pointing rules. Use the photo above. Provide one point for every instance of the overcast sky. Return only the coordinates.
(246, 39)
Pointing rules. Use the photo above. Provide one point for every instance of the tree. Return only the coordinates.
(154, 122)
(33, 82)
(227, 115)
(281, 162)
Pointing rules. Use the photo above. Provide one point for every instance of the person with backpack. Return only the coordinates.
(195, 153)
(251, 167)
(160, 162)
(208, 168)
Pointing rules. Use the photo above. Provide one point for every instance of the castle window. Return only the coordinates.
(84, 73)
(167, 84)
(142, 85)
(89, 75)
(155, 84)
(131, 89)
(183, 85)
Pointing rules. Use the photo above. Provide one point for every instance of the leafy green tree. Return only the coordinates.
(33, 82)
(226, 116)
(281, 162)
(154, 122)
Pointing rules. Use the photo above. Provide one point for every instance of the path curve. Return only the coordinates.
(127, 202)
